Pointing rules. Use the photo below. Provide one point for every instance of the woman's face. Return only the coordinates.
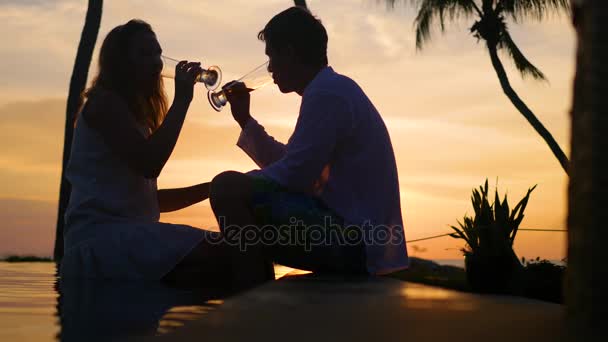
(145, 55)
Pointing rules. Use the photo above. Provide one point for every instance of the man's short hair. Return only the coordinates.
(297, 27)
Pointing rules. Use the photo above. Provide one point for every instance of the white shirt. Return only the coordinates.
(340, 151)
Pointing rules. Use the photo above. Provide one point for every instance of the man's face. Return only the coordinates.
(281, 64)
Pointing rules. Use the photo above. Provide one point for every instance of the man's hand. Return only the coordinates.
(238, 96)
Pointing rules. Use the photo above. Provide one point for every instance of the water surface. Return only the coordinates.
(35, 307)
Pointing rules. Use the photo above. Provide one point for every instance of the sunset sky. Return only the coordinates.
(450, 124)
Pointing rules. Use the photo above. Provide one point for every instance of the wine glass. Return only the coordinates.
(255, 79)
(211, 77)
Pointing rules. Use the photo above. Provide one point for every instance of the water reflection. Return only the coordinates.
(94, 310)
(426, 297)
(34, 306)
(27, 302)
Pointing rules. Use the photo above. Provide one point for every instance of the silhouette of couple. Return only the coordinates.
(326, 201)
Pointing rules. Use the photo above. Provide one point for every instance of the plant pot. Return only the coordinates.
(544, 281)
(489, 273)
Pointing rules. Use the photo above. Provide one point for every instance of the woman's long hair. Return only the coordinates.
(149, 106)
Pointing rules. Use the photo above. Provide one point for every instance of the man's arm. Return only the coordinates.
(262, 148)
(324, 121)
(175, 199)
(254, 140)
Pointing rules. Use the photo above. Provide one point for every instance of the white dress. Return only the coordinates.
(111, 223)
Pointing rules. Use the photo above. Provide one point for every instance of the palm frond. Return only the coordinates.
(431, 10)
(300, 3)
(390, 3)
(523, 65)
(532, 9)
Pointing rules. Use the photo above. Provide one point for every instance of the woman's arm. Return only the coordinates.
(175, 199)
(110, 116)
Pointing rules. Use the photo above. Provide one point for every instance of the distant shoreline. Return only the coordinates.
(26, 258)
(34, 258)
(443, 262)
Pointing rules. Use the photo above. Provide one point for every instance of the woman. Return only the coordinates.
(123, 137)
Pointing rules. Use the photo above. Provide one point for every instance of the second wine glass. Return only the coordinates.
(255, 79)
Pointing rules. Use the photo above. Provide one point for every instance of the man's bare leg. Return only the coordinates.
(230, 198)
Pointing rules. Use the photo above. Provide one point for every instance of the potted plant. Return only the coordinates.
(544, 280)
(490, 262)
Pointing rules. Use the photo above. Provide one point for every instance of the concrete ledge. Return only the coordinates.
(312, 308)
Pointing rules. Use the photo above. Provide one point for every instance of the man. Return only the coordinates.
(328, 200)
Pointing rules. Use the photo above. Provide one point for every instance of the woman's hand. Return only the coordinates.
(186, 75)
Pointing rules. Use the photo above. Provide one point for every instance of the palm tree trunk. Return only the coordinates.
(525, 111)
(77, 86)
(587, 276)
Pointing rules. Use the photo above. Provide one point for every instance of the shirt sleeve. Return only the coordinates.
(259, 146)
(324, 120)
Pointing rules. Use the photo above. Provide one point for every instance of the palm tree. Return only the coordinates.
(587, 281)
(74, 102)
(491, 26)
